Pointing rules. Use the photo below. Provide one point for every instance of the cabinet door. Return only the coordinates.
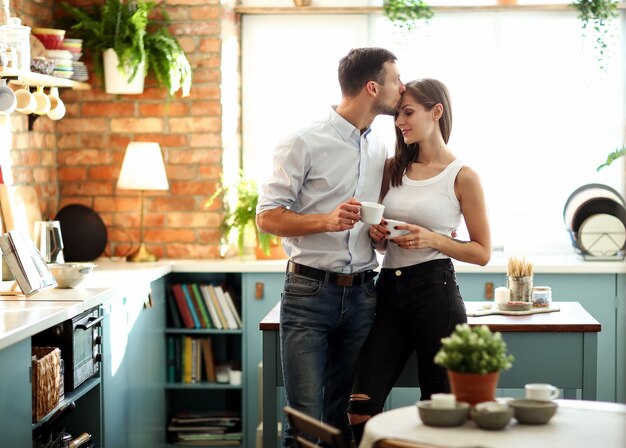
(133, 375)
(15, 393)
(255, 310)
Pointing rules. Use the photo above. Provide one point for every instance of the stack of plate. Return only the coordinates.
(75, 47)
(63, 63)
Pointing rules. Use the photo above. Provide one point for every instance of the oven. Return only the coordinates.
(80, 340)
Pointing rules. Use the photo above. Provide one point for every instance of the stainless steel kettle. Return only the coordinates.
(49, 241)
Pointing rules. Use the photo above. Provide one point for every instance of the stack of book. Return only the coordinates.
(215, 428)
(203, 306)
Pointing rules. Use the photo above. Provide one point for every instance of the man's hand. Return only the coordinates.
(344, 217)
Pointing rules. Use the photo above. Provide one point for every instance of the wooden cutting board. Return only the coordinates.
(478, 313)
(20, 207)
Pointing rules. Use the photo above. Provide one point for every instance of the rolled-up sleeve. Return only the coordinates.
(290, 162)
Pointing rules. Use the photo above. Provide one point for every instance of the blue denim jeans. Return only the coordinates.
(417, 306)
(322, 328)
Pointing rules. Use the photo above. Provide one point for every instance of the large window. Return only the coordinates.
(533, 113)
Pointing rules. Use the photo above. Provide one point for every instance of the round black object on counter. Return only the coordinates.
(83, 231)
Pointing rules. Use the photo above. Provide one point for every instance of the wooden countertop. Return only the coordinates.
(572, 317)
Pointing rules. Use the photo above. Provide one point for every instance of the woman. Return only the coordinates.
(419, 301)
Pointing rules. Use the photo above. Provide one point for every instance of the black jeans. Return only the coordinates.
(417, 306)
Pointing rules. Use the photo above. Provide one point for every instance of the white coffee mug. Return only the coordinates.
(371, 212)
(7, 98)
(43, 102)
(26, 102)
(539, 391)
(57, 107)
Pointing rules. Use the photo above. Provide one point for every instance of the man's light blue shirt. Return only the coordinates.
(316, 169)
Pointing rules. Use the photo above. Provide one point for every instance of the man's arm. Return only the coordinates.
(282, 222)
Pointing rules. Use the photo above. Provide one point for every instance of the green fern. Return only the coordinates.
(128, 29)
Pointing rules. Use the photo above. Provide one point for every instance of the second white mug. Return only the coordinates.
(540, 391)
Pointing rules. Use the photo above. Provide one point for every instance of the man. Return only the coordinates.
(312, 199)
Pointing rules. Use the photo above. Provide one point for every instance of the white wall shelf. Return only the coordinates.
(37, 79)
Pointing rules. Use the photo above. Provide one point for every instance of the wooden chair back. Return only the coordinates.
(306, 428)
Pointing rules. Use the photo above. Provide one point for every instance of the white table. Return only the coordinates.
(577, 423)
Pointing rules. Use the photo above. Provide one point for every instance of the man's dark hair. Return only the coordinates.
(361, 65)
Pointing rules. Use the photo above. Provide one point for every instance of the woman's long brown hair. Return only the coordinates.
(427, 92)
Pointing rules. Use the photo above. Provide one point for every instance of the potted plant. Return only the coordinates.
(474, 357)
(240, 200)
(123, 34)
(612, 157)
(404, 14)
(597, 13)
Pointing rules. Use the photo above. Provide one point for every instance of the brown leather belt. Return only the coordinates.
(333, 278)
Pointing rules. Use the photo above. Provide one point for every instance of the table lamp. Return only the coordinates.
(142, 169)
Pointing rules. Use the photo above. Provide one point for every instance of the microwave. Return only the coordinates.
(80, 341)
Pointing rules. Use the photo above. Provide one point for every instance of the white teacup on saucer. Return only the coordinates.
(393, 232)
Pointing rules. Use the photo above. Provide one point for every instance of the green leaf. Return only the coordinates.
(612, 157)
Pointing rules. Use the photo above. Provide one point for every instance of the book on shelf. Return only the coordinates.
(175, 317)
(187, 359)
(26, 263)
(231, 322)
(209, 361)
(171, 359)
(183, 308)
(218, 307)
(206, 295)
(194, 290)
(233, 308)
(192, 307)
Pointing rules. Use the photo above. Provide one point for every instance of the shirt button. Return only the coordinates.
(398, 273)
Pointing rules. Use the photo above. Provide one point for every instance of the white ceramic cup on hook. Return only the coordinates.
(57, 107)
(7, 98)
(43, 102)
(26, 102)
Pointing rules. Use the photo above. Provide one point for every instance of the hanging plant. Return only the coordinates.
(405, 14)
(594, 15)
(612, 157)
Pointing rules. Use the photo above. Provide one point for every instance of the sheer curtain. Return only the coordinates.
(533, 113)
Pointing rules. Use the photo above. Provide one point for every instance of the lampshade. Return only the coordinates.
(142, 168)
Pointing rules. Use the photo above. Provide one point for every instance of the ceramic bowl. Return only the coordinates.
(51, 38)
(491, 415)
(70, 275)
(533, 412)
(442, 417)
(391, 223)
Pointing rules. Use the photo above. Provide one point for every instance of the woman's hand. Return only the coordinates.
(378, 232)
(418, 238)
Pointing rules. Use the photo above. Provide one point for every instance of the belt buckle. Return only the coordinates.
(344, 280)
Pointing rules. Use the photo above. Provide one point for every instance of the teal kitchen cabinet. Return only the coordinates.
(597, 293)
(260, 292)
(133, 372)
(15, 390)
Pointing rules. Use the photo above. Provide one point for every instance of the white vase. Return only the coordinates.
(116, 81)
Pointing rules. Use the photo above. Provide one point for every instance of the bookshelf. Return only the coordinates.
(203, 343)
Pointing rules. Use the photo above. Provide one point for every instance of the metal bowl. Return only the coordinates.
(70, 275)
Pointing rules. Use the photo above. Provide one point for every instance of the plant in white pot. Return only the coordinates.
(122, 34)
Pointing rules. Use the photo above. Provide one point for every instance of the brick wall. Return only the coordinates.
(83, 152)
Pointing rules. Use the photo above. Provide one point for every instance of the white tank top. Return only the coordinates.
(429, 203)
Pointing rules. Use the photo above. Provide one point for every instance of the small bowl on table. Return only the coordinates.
(491, 415)
(70, 275)
(431, 416)
(533, 412)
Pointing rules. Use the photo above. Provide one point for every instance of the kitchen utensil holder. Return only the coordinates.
(521, 288)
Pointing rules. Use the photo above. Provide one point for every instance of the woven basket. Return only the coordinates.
(46, 363)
